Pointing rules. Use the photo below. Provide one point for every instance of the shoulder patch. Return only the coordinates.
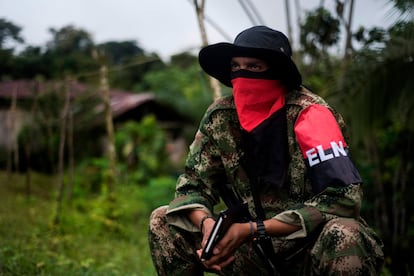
(319, 135)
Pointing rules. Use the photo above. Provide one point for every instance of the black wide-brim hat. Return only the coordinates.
(258, 42)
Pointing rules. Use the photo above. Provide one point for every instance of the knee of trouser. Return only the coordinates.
(341, 227)
(341, 234)
(158, 218)
(345, 245)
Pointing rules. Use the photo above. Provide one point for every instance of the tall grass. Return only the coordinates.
(93, 236)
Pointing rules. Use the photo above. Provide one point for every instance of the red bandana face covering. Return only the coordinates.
(256, 100)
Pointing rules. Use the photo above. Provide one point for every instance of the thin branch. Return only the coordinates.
(211, 22)
(247, 11)
(256, 12)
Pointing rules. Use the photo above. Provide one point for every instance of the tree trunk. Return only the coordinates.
(348, 41)
(289, 23)
(12, 132)
(111, 176)
(28, 142)
(214, 83)
(297, 55)
(71, 155)
(63, 131)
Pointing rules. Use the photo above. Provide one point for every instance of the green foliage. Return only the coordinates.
(97, 236)
(183, 60)
(377, 100)
(387, 169)
(129, 75)
(89, 177)
(319, 31)
(182, 87)
(120, 52)
(44, 124)
(378, 83)
(70, 52)
(30, 63)
(86, 241)
(405, 8)
(373, 91)
(128, 63)
(158, 192)
(70, 39)
(9, 32)
(43, 121)
(141, 148)
(321, 77)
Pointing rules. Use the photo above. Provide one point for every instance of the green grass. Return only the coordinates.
(94, 236)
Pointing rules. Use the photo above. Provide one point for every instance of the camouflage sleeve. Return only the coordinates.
(335, 181)
(331, 203)
(203, 169)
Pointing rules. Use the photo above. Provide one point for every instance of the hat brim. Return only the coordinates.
(215, 60)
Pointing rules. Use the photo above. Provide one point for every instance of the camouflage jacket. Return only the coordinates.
(215, 158)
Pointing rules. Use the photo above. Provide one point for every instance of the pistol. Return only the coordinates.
(225, 219)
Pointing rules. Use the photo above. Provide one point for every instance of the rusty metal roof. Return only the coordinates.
(121, 101)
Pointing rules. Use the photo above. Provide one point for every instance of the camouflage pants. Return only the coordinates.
(344, 247)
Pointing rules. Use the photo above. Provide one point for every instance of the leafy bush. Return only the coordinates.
(158, 192)
(141, 148)
(86, 241)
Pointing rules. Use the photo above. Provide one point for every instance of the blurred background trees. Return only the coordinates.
(369, 81)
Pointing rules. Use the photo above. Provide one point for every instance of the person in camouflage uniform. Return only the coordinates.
(282, 150)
